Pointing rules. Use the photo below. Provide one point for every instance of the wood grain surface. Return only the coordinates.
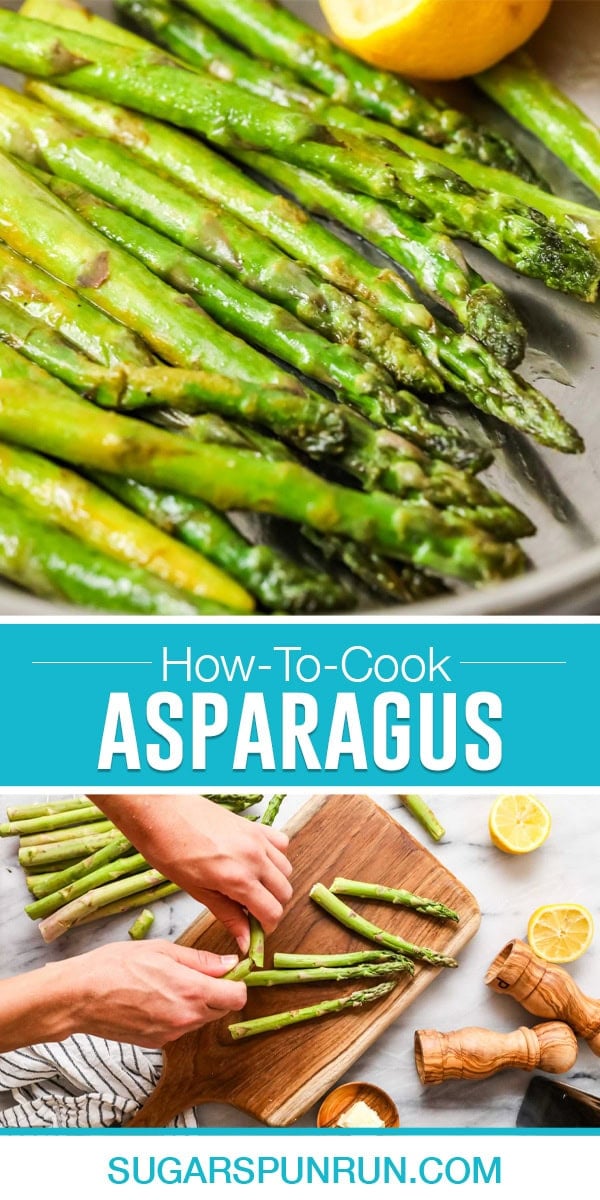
(276, 1077)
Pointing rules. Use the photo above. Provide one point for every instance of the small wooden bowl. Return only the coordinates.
(342, 1098)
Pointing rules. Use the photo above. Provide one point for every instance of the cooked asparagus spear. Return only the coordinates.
(424, 815)
(463, 363)
(60, 922)
(377, 574)
(311, 961)
(280, 584)
(244, 1029)
(376, 891)
(275, 978)
(518, 86)
(43, 823)
(109, 871)
(142, 925)
(274, 33)
(511, 232)
(54, 494)
(44, 885)
(63, 426)
(359, 925)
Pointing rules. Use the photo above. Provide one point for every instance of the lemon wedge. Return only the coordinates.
(434, 39)
(560, 933)
(519, 824)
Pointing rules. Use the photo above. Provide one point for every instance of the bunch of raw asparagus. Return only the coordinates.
(394, 958)
(180, 342)
(80, 868)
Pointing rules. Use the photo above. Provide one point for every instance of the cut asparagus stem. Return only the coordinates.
(241, 971)
(44, 885)
(116, 869)
(244, 1029)
(273, 33)
(359, 925)
(272, 810)
(463, 362)
(121, 906)
(65, 427)
(424, 815)
(44, 824)
(312, 961)
(503, 227)
(54, 494)
(60, 852)
(27, 812)
(276, 978)
(518, 86)
(141, 926)
(376, 891)
(63, 835)
(60, 922)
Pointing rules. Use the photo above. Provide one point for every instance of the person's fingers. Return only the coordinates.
(264, 906)
(280, 861)
(215, 965)
(224, 995)
(231, 915)
(276, 837)
(276, 883)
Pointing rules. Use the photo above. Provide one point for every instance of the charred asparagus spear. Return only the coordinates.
(463, 363)
(531, 98)
(244, 1029)
(359, 925)
(51, 419)
(376, 891)
(515, 234)
(273, 33)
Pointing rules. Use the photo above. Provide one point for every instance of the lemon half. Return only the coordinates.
(519, 824)
(434, 39)
(560, 933)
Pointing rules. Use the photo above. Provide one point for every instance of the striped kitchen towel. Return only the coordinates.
(82, 1083)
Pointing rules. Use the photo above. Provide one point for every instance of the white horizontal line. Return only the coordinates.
(516, 662)
(101, 662)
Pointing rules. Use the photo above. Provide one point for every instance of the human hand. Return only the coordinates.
(222, 860)
(146, 993)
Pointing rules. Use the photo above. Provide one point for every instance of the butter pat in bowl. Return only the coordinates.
(358, 1106)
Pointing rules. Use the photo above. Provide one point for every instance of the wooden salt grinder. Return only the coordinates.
(478, 1053)
(544, 990)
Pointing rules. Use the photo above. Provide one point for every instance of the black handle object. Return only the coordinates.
(548, 1103)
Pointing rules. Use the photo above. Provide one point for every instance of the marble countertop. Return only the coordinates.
(508, 890)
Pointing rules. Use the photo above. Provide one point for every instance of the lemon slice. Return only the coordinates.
(560, 933)
(519, 824)
(434, 39)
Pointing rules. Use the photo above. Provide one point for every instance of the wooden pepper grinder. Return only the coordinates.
(478, 1053)
(544, 990)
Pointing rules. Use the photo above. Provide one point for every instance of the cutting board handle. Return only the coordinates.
(169, 1098)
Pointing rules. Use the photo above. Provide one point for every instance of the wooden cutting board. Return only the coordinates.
(275, 1077)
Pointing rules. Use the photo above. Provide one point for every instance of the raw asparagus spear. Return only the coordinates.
(141, 926)
(359, 925)
(60, 922)
(272, 810)
(116, 869)
(274, 978)
(424, 815)
(63, 426)
(518, 86)
(244, 1029)
(280, 584)
(256, 949)
(44, 885)
(463, 363)
(42, 296)
(120, 906)
(512, 233)
(376, 891)
(272, 32)
(64, 852)
(63, 835)
(509, 397)
(56, 821)
(26, 812)
(241, 970)
(282, 962)
(54, 494)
